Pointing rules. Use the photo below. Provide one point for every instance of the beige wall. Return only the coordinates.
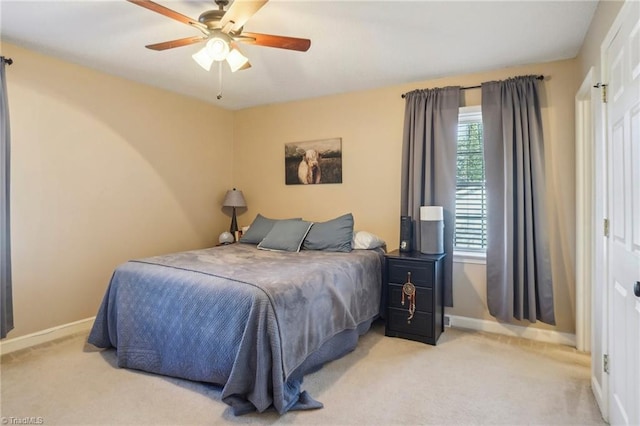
(103, 170)
(370, 125)
(589, 55)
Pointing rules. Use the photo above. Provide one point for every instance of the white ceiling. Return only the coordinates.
(355, 45)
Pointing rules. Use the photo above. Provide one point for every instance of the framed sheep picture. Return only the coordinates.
(313, 162)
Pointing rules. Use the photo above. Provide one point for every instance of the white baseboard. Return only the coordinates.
(44, 336)
(548, 336)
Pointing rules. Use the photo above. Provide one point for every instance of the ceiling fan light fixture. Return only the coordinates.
(236, 60)
(203, 58)
(218, 48)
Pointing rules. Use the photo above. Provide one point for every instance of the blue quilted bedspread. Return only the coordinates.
(250, 320)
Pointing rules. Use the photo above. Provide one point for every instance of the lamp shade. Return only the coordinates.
(236, 60)
(217, 48)
(203, 59)
(234, 198)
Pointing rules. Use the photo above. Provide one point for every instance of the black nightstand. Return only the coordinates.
(425, 272)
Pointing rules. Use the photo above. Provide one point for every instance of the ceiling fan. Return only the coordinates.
(222, 30)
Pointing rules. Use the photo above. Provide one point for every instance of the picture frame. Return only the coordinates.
(313, 162)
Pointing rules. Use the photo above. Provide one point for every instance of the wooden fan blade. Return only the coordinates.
(175, 43)
(148, 4)
(281, 42)
(239, 13)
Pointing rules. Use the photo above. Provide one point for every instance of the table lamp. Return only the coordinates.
(234, 198)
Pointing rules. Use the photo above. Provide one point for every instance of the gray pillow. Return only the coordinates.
(333, 235)
(286, 235)
(259, 229)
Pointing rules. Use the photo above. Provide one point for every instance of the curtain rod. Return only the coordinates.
(540, 77)
(7, 61)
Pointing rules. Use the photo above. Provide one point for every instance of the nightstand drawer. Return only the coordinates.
(426, 274)
(424, 298)
(421, 324)
(421, 272)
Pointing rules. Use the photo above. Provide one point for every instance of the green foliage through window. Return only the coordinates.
(471, 200)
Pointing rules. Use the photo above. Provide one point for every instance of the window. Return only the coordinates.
(471, 198)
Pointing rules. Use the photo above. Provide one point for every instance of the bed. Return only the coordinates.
(252, 321)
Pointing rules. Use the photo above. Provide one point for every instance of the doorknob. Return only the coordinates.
(636, 289)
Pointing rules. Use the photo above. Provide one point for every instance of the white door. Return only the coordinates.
(623, 178)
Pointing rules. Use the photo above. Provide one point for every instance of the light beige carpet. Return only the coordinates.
(469, 378)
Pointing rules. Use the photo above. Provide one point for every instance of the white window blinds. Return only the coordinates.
(471, 209)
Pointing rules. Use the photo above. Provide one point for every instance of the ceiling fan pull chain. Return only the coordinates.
(219, 80)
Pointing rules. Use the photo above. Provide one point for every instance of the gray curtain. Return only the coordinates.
(429, 164)
(6, 303)
(519, 283)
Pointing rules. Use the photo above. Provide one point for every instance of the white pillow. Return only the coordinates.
(363, 240)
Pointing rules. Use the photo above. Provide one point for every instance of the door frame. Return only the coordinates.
(591, 244)
(585, 219)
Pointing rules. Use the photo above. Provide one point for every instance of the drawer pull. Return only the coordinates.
(410, 290)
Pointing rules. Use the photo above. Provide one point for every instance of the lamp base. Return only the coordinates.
(234, 224)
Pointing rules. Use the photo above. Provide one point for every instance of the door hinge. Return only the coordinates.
(606, 227)
(605, 363)
(603, 88)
